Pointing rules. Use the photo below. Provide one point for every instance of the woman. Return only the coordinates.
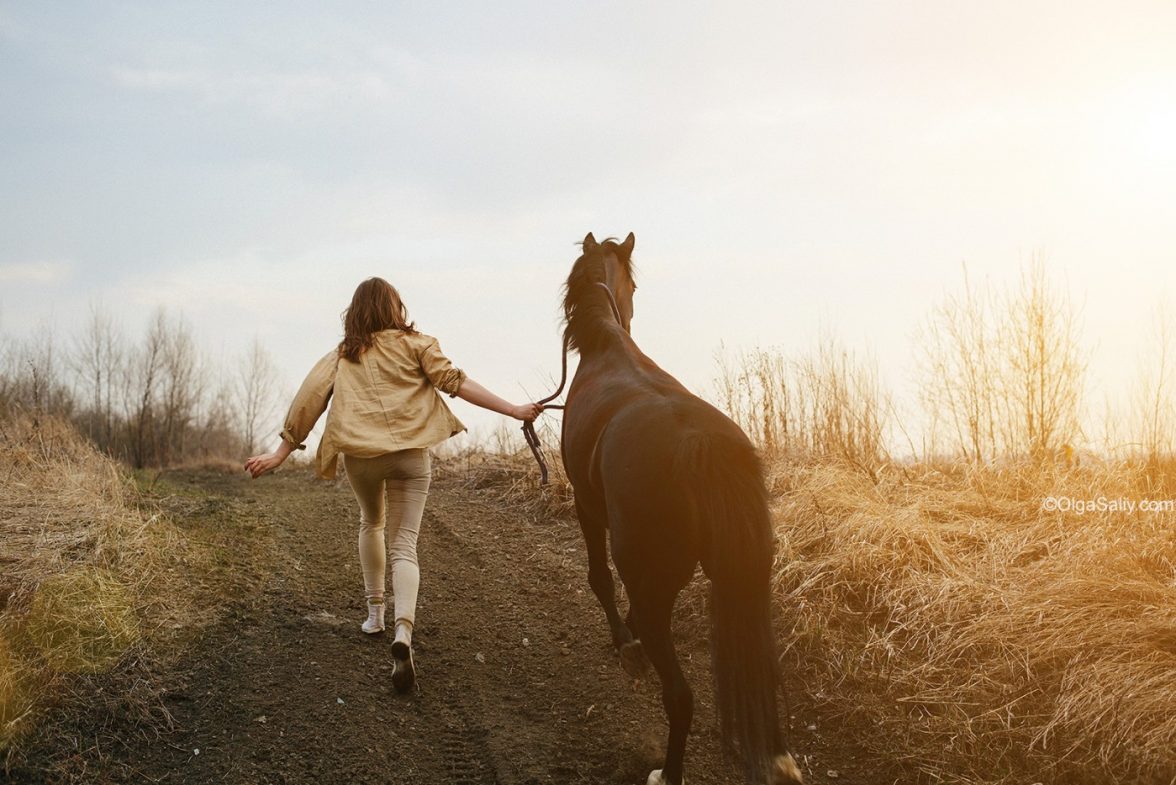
(384, 378)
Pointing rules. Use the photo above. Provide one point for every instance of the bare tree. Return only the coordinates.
(960, 383)
(181, 391)
(96, 360)
(141, 385)
(7, 374)
(1043, 376)
(36, 378)
(218, 434)
(1005, 372)
(256, 390)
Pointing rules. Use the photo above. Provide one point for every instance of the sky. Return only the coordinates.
(789, 170)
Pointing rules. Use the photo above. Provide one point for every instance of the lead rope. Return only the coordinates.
(529, 427)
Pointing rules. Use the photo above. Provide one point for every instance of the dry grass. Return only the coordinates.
(974, 635)
(85, 581)
(508, 474)
(827, 403)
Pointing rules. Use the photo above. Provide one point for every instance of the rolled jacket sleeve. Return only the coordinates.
(311, 400)
(440, 370)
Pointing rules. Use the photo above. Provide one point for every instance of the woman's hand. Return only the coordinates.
(262, 464)
(479, 396)
(526, 411)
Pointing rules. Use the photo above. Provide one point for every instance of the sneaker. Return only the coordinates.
(375, 619)
(403, 670)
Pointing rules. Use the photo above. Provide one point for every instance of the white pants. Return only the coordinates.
(391, 488)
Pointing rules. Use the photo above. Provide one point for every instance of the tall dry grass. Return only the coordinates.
(827, 403)
(86, 579)
(965, 630)
(955, 626)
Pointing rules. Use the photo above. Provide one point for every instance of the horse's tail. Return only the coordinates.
(725, 482)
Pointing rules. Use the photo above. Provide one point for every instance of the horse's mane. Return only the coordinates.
(586, 307)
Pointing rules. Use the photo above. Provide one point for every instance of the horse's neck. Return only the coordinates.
(615, 351)
(623, 359)
(593, 320)
(592, 336)
(602, 338)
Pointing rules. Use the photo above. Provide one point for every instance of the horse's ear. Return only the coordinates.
(627, 246)
(589, 242)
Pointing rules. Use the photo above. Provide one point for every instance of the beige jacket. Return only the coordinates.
(387, 401)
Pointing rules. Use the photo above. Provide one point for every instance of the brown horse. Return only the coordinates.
(673, 482)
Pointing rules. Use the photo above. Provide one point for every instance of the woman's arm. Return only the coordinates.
(308, 405)
(454, 381)
(260, 464)
(479, 396)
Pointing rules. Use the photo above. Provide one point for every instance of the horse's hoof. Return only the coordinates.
(785, 771)
(633, 659)
(656, 778)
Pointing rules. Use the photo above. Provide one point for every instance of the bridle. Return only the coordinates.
(612, 301)
(529, 427)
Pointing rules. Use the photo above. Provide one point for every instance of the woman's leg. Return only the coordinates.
(366, 476)
(408, 486)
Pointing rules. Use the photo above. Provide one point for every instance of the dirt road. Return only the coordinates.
(517, 682)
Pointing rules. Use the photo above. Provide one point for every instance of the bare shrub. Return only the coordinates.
(140, 383)
(961, 366)
(828, 404)
(754, 388)
(35, 376)
(219, 435)
(502, 470)
(1005, 371)
(844, 410)
(182, 391)
(1043, 367)
(1153, 411)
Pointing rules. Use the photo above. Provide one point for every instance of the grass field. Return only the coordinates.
(89, 583)
(938, 611)
(971, 631)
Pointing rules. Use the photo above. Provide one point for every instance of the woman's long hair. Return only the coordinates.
(375, 306)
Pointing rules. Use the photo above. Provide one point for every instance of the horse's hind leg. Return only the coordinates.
(600, 578)
(633, 658)
(653, 605)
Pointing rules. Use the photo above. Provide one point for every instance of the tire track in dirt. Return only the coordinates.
(519, 622)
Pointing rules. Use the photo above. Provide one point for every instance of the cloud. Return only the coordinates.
(34, 272)
(271, 92)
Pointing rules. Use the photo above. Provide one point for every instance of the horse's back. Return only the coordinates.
(664, 461)
(662, 437)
